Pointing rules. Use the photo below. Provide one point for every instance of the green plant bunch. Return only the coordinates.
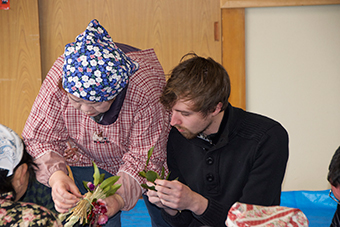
(152, 175)
(108, 185)
(97, 191)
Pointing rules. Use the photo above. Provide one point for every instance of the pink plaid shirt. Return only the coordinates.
(142, 123)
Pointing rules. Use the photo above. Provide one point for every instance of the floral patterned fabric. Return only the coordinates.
(25, 214)
(39, 194)
(95, 69)
(242, 215)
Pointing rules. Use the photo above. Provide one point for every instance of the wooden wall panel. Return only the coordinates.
(172, 28)
(274, 3)
(233, 57)
(20, 69)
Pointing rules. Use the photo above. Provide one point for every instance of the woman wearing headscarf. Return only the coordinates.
(99, 103)
(17, 172)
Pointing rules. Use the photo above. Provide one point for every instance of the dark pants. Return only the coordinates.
(155, 214)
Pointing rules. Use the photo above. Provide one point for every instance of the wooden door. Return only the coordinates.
(172, 28)
(20, 69)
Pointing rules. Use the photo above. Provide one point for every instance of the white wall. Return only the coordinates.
(293, 76)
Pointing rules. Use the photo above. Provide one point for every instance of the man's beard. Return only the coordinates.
(186, 133)
(190, 135)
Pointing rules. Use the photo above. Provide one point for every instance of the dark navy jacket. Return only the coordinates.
(245, 163)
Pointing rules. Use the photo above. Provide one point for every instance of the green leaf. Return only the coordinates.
(147, 187)
(142, 174)
(101, 178)
(96, 175)
(112, 189)
(163, 172)
(167, 176)
(85, 185)
(109, 182)
(149, 155)
(151, 176)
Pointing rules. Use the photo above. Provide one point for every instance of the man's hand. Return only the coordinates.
(65, 193)
(177, 196)
(153, 198)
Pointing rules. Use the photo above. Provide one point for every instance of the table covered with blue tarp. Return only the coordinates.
(316, 205)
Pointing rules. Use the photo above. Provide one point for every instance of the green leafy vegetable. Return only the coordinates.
(151, 175)
(99, 189)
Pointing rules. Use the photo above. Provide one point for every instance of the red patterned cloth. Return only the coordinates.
(242, 215)
(142, 123)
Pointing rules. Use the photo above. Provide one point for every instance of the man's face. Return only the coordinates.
(336, 191)
(89, 108)
(188, 122)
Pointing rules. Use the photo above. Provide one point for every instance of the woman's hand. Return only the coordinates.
(65, 193)
(114, 203)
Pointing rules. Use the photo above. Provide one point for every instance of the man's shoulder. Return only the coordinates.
(250, 124)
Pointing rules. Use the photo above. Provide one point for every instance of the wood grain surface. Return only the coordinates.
(274, 3)
(172, 28)
(20, 68)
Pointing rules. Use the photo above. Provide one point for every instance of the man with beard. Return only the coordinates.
(217, 154)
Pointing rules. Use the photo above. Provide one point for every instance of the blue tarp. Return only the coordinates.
(316, 205)
(138, 216)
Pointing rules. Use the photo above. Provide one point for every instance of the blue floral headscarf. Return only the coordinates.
(95, 69)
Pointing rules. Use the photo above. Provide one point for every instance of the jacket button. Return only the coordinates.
(210, 177)
(209, 160)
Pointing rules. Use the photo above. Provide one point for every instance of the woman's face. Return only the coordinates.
(20, 181)
(336, 191)
(89, 108)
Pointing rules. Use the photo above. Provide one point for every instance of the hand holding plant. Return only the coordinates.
(92, 208)
(151, 175)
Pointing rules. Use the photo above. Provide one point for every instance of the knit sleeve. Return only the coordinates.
(263, 185)
(214, 215)
(181, 219)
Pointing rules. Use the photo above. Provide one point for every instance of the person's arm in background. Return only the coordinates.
(150, 127)
(46, 137)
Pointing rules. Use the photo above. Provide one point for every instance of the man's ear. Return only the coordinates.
(217, 109)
